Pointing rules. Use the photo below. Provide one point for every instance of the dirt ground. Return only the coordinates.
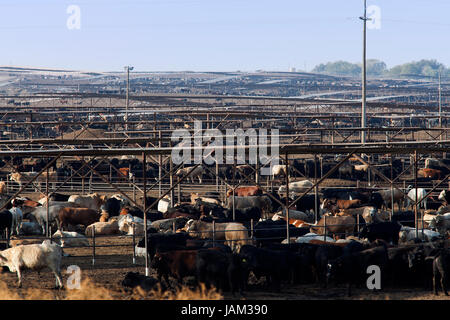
(112, 264)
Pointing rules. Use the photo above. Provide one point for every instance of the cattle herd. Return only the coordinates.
(245, 236)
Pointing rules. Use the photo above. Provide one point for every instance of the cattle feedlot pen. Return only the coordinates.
(255, 234)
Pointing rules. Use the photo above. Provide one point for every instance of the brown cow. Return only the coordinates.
(178, 264)
(334, 206)
(340, 226)
(429, 173)
(124, 173)
(75, 216)
(176, 214)
(2, 187)
(245, 191)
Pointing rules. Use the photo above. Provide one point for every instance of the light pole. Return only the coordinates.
(128, 69)
(363, 94)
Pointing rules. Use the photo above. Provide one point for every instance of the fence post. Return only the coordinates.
(134, 188)
(174, 229)
(325, 228)
(357, 223)
(134, 243)
(93, 246)
(214, 233)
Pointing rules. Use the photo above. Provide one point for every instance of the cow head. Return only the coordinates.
(333, 267)
(189, 225)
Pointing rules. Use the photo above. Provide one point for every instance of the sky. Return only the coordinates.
(217, 35)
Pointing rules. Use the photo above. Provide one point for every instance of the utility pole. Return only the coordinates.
(363, 94)
(128, 69)
(440, 102)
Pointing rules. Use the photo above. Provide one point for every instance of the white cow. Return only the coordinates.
(421, 193)
(34, 257)
(17, 217)
(312, 236)
(296, 188)
(408, 233)
(164, 204)
(70, 239)
(443, 223)
(279, 170)
(195, 174)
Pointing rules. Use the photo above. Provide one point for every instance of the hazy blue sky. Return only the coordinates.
(222, 35)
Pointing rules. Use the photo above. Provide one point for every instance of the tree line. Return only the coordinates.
(374, 67)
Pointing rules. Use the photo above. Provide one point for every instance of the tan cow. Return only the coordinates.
(195, 196)
(103, 228)
(92, 201)
(24, 177)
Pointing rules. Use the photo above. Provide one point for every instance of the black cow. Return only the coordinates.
(5, 220)
(308, 202)
(441, 267)
(236, 273)
(274, 265)
(405, 218)
(352, 268)
(446, 196)
(134, 211)
(346, 171)
(244, 214)
(212, 266)
(112, 206)
(63, 173)
(150, 200)
(338, 194)
(134, 279)
(387, 231)
(163, 242)
(301, 259)
(167, 224)
(59, 197)
(275, 231)
(323, 255)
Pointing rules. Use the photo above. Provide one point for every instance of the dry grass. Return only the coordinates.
(91, 291)
(185, 293)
